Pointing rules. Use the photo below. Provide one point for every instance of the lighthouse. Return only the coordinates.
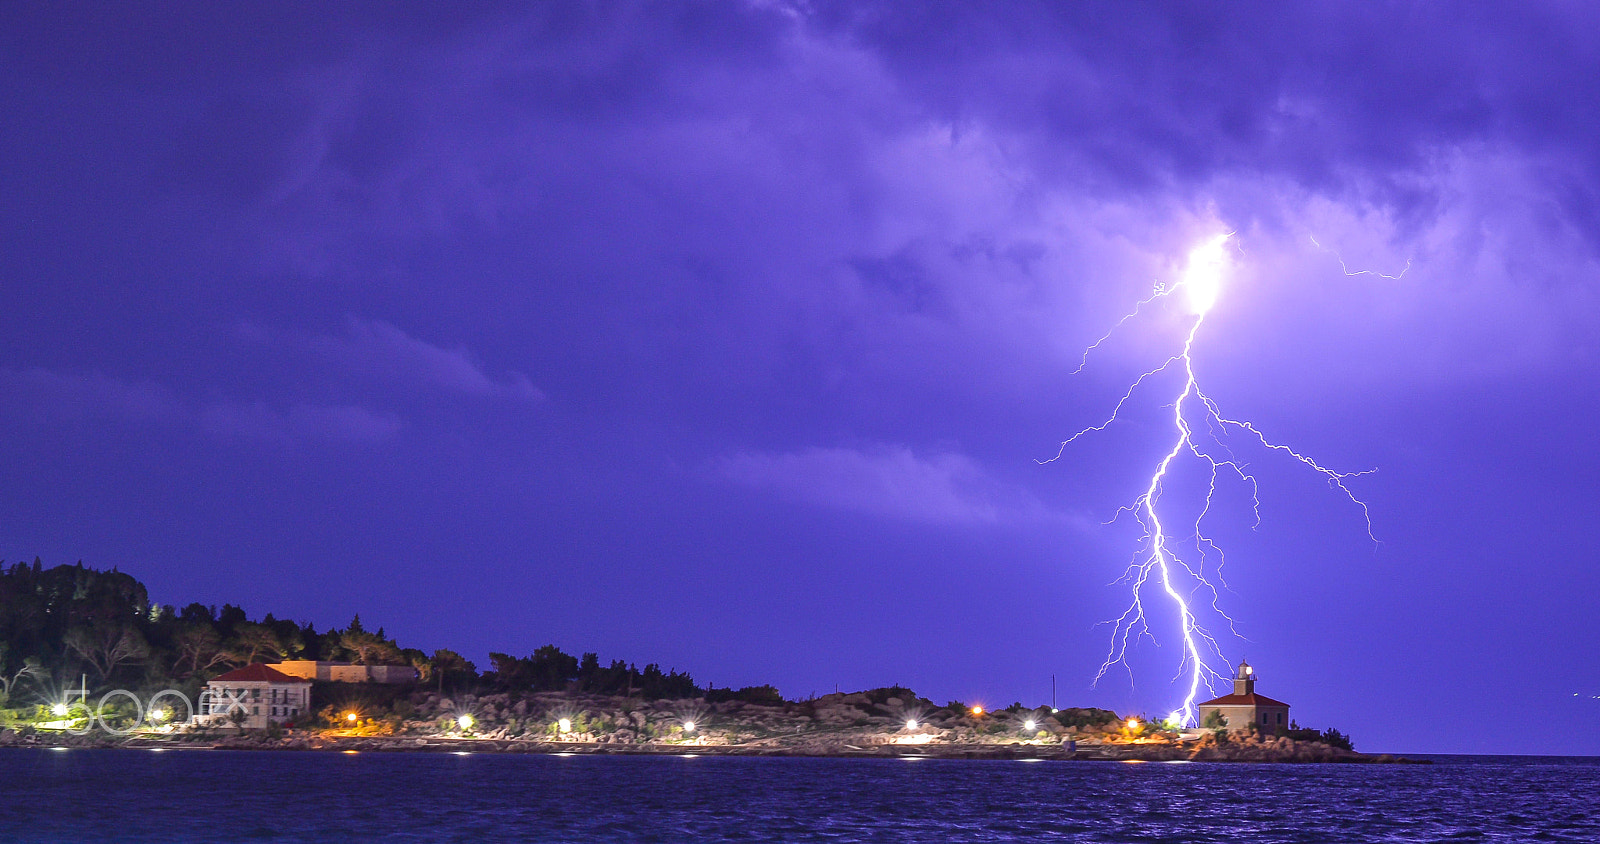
(1245, 709)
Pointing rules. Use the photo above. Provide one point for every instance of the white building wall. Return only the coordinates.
(1266, 719)
(263, 702)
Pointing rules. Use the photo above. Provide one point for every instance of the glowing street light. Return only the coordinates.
(160, 714)
(564, 725)
(465, 722)
(911, 723)
(1133, 725)
(350, 717)
(977, 711)
(1030, 725)
(59, 710)
(688, 726)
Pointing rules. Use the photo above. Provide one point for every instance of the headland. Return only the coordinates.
(879, 723)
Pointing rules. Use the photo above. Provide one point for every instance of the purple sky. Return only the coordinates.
(729, 335)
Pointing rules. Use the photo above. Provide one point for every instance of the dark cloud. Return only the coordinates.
(53, 397)
(257, 420)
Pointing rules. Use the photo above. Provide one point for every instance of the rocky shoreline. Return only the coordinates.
(1269, 751)
(883, 723)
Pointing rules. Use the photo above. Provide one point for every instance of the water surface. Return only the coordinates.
(211, 796)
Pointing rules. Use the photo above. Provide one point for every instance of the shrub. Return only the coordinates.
(760, 695)
(1330, 737)
(1335, 738)
(1085, 717)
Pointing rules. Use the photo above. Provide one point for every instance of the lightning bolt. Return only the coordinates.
(1202, 433)
(1348, 271)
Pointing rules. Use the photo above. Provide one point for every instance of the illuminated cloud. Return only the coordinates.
(889, 480)
(378, 350)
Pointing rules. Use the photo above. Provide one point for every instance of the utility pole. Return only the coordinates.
(1053, 693)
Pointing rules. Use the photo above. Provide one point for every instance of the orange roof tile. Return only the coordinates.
(1251, 699)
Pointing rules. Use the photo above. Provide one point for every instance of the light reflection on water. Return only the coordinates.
(111, 795)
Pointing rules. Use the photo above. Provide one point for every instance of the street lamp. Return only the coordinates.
(465, 722)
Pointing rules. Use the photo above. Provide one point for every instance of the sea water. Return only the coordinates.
(227, 796)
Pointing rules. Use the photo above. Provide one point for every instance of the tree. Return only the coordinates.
(200, 648)
(419, 661)
(615, 679)
(449, 663)
(509, 672)
(552, 669)
(198, 613)
(589, 671)
(1215, 720)
(8, 684)
(231, 617)
(106, 646)
(656, 684)
(368, 648)
(252, 641)
(291, 637)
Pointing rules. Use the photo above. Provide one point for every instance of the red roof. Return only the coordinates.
(1251, 699)
(257, 673)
